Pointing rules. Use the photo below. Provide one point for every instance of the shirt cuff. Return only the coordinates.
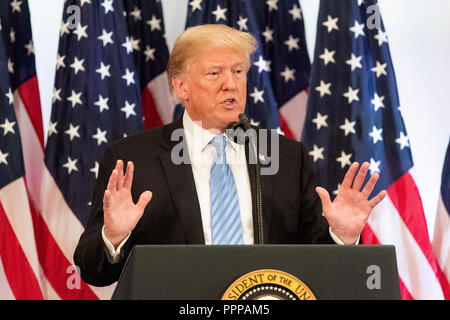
(113, 253)
(339, 241)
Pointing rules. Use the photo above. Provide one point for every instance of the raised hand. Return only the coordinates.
(121, 214)
(348, 213)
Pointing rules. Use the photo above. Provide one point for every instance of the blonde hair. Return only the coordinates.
(195, 40)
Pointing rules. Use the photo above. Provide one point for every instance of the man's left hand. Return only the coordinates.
(348, 213)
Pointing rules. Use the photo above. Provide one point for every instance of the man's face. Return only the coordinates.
(214, 88)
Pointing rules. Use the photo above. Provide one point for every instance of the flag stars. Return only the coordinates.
(331, 23)
(196, 5)
(288, 74)
(377, 102)
(263, 65)
(95, 169)
(8, 127)
(348, 127)
(100, 136)
(108, 6)
(324, 88)
(358, 29)
(3, 157)
(380, 69)
(71, 165)
(10, 96)
(403, 141)
(220, 13)
(149, 53)
(60, 62)
(354, 62)
(15, 6)
(344, 159)
(381, 37)
(374, 166)
(242, 23)
(106, 37)
(129, 77)
(128, 109)
(52, 128)
(154, 23)
(268, 34)
(257, 95)
(75, 98)
(81, 32)
(292, 43)
(64, 29)
(137, 14)
(320, 121)
(272, 4)
(77, 65)
(376, 134)
(352, 94)
(30, 48)
(327, 56)
(56, 95)
(104, 70)
(317, 153)
(296, 13)
(10, 66)
(72, 132)
(102, 103)
(127, 45)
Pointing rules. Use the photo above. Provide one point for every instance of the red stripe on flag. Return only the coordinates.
(149, 111)
(285, 128)
(56, 267)
(29, 93)
(369, 237)
(405, 197)
(18, 271)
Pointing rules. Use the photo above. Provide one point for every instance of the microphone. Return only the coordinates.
(238, 132)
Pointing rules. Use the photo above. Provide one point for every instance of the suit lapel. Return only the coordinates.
(181, 183)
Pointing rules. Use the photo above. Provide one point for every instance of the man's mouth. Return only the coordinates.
(229, 101)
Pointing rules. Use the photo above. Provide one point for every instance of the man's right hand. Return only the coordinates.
(120, 213)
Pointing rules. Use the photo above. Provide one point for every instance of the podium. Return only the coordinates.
(200, 272)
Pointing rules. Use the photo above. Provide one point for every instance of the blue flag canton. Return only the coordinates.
(147, 35)
(353, 108)
(280, 67)
(11, 159)
(17, 37)
(96, 98)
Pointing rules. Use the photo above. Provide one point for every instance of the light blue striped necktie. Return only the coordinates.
(226, 226)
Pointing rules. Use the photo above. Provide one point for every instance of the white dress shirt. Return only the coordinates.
(201, 154)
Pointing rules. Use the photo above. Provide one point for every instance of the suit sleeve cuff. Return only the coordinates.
(114, 254)
(339, 241)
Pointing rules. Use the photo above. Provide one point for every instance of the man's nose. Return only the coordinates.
(229, 82)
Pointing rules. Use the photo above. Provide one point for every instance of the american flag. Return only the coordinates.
(441, 238)
(279, 73)
(21, 154)
(101, 62)
(147, 36)
(354, 114)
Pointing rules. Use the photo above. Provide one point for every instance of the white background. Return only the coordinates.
(419, 39)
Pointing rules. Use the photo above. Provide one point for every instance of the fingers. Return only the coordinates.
(348, 178)
(119, 168)
(128, 180)
(324, 198)
(370, 185)
(361, 176)
(144, 199)
(377, 199)
(112, 183)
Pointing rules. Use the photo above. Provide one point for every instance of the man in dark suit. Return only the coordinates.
(207, 199)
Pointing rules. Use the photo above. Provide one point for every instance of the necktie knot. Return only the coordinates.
(219, 142)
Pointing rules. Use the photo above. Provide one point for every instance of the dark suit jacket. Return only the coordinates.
(292, 212)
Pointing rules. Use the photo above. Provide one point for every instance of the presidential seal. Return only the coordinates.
(268, 284)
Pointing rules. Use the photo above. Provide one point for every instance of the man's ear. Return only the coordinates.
(179, 85)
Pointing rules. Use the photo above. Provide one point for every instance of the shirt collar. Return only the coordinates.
(198, 138)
